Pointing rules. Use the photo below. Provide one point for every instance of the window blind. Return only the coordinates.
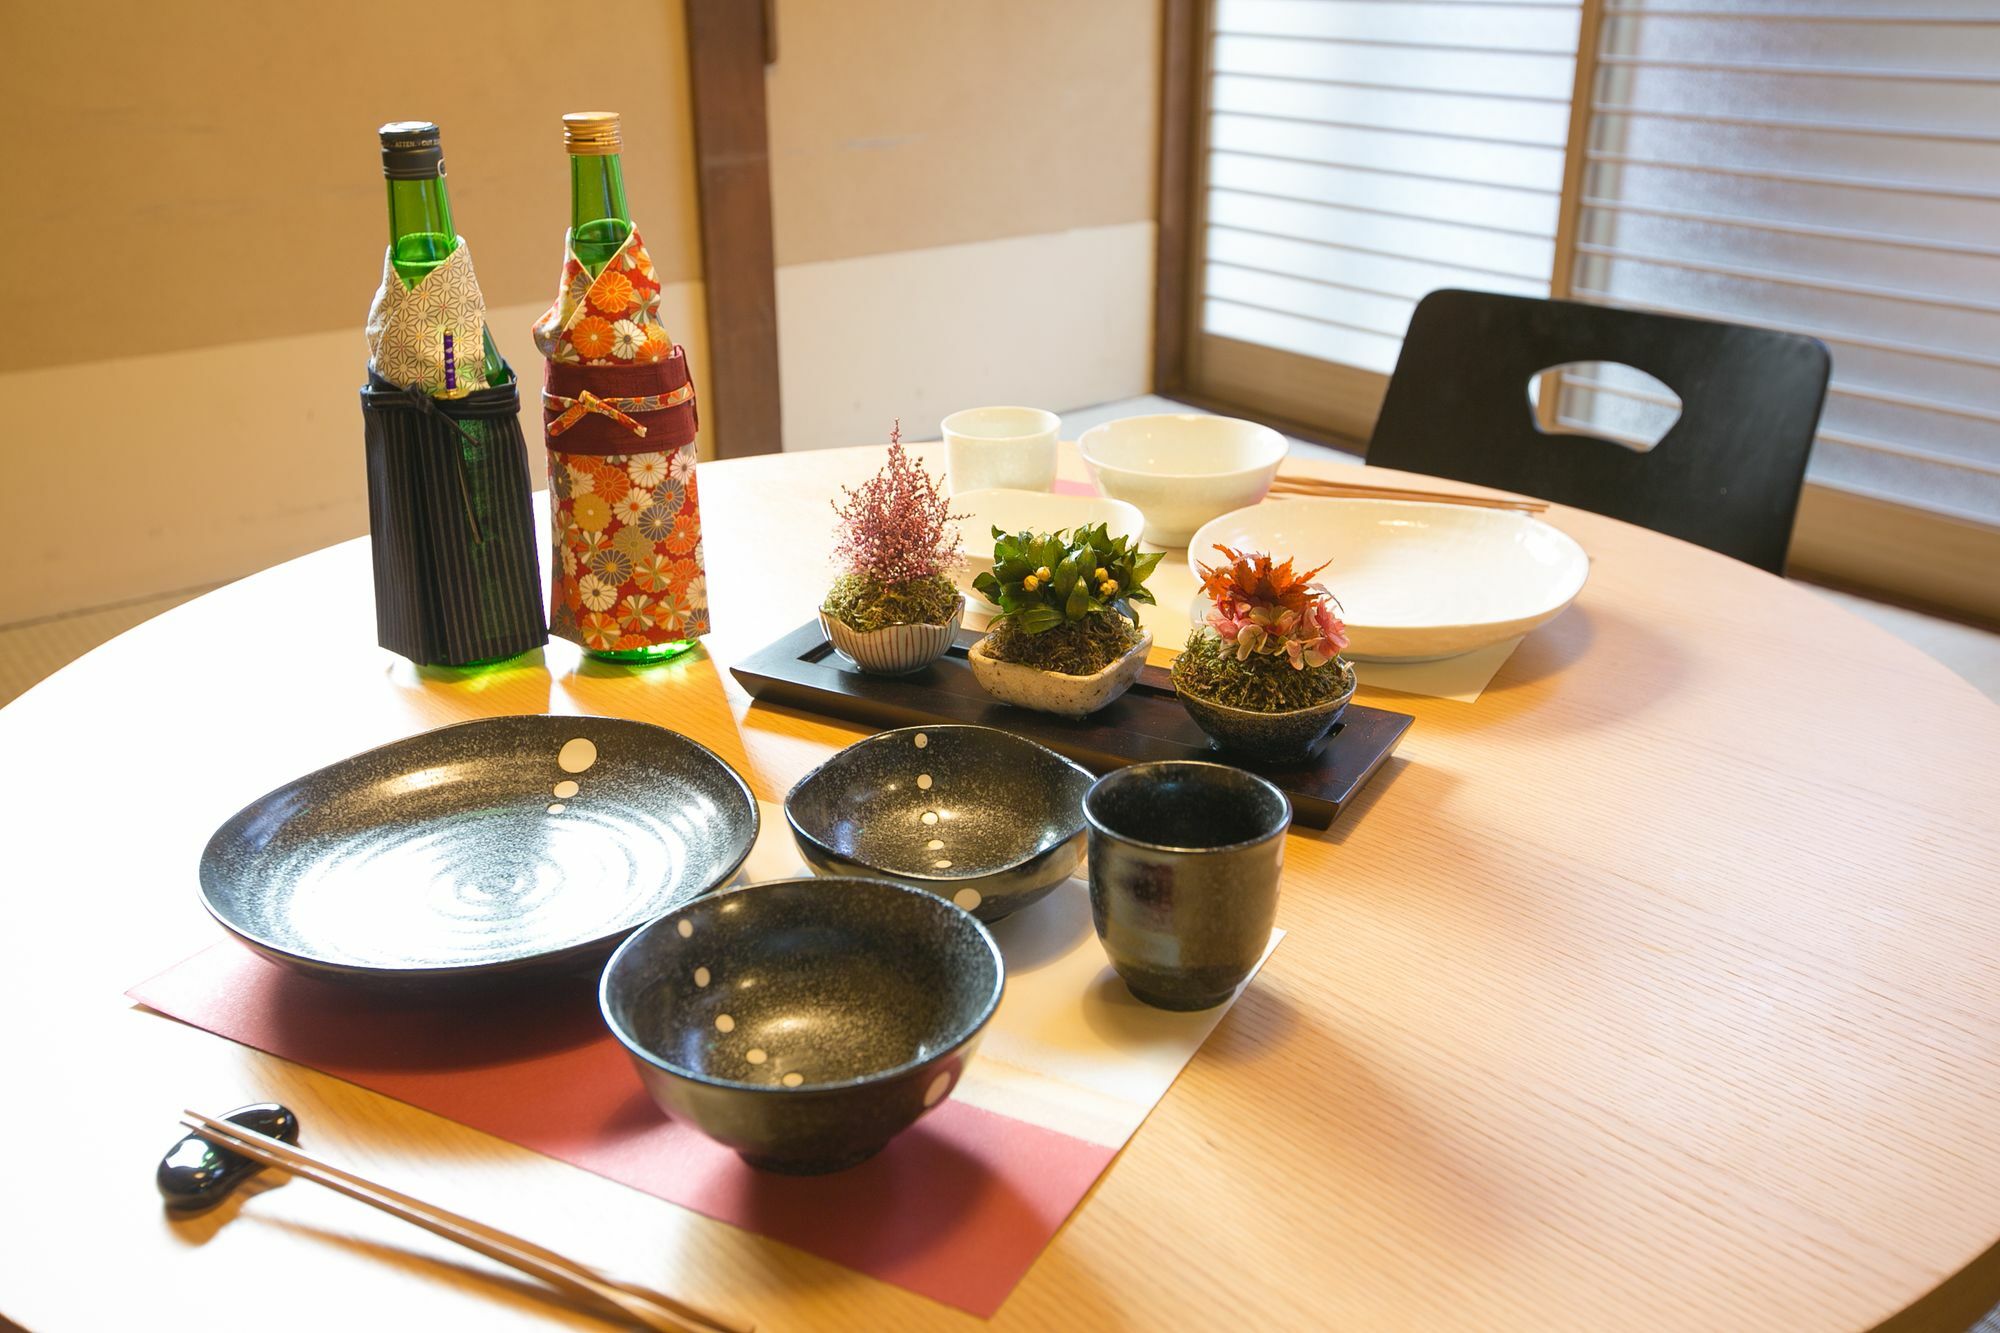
(1826, 166)
(1360, 153)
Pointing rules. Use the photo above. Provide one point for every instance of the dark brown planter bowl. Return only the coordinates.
(1274, 737)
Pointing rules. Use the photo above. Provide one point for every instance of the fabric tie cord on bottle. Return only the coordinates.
(574, 409)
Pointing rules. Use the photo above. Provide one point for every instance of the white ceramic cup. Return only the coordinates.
(1013, 447)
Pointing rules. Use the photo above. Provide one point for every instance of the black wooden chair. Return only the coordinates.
(1726, 475)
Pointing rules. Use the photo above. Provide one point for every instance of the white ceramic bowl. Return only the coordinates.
(1031, 511)
(1182, 469)
(1416, 581)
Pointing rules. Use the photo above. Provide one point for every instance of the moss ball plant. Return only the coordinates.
(1066, 599)
(1272, 639)
(896, 542)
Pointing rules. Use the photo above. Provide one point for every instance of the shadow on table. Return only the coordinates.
(1600, 639)
(1129, 1023)
(911, 1198)
(200, 1228)
(1037, 936)
(1365, 1131)
(327, 1025)
(1358, 805)
(516, 1292)
(1554, 648)
(1645, 665)
(1958, 1303)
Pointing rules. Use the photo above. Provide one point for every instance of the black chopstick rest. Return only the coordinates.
(196, 1175)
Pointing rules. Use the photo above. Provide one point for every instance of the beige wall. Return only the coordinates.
(222, 156)
(194, 202)
(193, 226)
(905, 124)
(963, 195)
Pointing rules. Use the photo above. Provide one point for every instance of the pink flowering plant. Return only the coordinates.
(1272, 638)
(896, 542)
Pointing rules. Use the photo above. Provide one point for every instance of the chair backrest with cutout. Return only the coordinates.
(1726, 475)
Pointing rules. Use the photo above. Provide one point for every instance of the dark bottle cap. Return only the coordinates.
(412, 150)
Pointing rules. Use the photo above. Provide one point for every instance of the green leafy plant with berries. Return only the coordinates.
(1067, 599)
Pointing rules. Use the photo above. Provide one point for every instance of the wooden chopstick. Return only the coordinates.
(624, 1300)
(1319, 486)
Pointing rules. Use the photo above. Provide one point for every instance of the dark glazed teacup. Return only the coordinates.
(1184, 862)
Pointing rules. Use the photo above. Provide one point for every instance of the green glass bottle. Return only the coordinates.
(421, 234)
(599, 222)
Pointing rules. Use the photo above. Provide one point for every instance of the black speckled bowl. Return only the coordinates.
(983, 817)
(804, 1022)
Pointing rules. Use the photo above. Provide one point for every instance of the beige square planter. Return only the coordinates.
(1055, 691)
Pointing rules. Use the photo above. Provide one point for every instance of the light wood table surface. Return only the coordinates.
(1656, 989)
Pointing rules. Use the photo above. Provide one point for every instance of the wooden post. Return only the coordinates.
(1569, 211)
(727, 44)
(1183, 30)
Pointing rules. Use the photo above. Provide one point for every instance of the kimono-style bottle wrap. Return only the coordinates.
(618, 414)
(451, 524)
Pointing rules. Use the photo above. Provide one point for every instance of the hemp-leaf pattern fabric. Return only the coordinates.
(406, 326)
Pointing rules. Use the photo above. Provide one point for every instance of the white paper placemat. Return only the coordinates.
(1070, 1049)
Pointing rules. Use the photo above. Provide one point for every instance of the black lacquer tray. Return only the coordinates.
(803, 671)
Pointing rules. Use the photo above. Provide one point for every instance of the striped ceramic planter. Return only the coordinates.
(895, 650)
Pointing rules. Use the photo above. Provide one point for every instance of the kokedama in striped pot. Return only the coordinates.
(894, 609)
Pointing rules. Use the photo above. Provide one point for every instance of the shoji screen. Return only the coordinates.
(1360, 153)
(1826, 166)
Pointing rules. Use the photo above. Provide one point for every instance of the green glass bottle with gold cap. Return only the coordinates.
(599, 219)
(627, 583)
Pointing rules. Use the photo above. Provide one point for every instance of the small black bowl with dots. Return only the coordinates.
(804, 1022)
(990, 820)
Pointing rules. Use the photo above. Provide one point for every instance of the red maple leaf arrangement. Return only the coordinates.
(897, 525)
(1264, 608)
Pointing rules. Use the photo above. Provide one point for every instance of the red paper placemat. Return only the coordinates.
(956, 1208)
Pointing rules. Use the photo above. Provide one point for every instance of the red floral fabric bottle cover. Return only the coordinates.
(618, 414)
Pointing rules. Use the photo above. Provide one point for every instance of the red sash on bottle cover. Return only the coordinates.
(618, 413)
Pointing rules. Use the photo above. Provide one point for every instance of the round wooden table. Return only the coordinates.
(1657, 988)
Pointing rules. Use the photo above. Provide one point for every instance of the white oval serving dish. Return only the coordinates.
(1416, 580)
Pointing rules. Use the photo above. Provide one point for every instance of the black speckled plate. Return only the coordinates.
(487, 851)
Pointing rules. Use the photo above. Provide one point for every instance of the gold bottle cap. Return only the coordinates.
(590, 133)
